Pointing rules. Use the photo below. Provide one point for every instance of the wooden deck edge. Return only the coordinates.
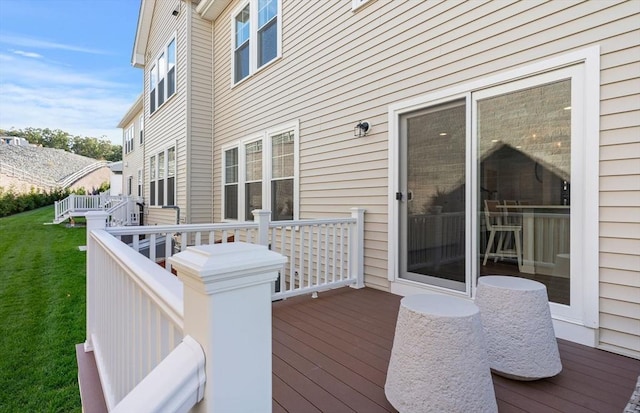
(89, 381)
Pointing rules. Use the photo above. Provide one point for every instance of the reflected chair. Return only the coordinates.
(496, 224)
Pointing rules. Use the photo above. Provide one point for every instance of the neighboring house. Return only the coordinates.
(132, 125)
(115, 179)
(252, 104)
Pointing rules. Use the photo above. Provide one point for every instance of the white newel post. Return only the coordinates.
(262, 217)
(227, 309)
(95, 220)
(356, 253)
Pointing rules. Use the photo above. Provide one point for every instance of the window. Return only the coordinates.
(253, 178)
(498, 177)
(140, 182)
(162, 77)
(261, 173)
(163, 178)
(129, 184)
(282, 158)
(256, 37)
(152, 180)
(231, 184)
(141, 129)
(128, 139)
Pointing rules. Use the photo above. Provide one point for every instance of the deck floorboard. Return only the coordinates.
(331, 354)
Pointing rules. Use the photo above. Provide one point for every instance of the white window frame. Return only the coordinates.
(128, 139)
(266, 169)
(140, 192)
(253, 40)
(162, 75)
(153, 201)
(141, 128)
(579, 321)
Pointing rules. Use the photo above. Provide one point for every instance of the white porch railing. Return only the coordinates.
(322, 253)
(122, 208)
(134, 313)
(151, 332)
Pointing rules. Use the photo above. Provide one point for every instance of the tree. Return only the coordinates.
(85, 146)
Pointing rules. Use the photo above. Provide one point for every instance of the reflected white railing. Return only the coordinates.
(322, 253)
(435, 239)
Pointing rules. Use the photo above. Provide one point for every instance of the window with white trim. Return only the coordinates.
(257, 36)
(141, 129)
(261, 173)
(128, 139)
(140, 182)
(162, 168)
(129, 184)
(162, 77)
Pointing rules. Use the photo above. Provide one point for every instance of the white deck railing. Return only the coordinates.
(157, 338)
(134, 314)
(322, 253)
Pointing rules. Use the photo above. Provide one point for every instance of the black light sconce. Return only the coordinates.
(361, 129)
(176, 11)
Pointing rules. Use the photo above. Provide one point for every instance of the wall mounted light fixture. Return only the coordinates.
(361, 129)
(176, 11)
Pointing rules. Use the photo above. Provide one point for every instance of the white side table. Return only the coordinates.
(517, 323)
(439, 359)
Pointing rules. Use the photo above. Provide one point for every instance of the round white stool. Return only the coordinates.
(517, 326)
(439, 359)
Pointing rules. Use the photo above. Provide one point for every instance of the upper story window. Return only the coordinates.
(257, 35)
(128, 139)
(162, 77)
(141, 129)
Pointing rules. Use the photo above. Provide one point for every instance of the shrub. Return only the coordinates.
(12, 202)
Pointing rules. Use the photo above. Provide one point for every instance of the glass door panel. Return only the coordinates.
(432, 212)
(524, 171)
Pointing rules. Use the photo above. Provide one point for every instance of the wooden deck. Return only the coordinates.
(331, 354)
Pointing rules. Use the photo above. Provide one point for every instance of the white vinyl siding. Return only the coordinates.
(354, 65)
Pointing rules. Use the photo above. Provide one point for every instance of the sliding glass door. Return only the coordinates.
(513, 146)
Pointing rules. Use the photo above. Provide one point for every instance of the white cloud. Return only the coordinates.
(45, 44)
(39, 94)
(27, 54)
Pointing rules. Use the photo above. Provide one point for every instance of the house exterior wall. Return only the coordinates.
(184, 120)
(354, 64)
(200, 110)
(132, 161)
(167, 125)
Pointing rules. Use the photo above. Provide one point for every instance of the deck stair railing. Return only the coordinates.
(166, 343)
(122, 208)
(322, 253)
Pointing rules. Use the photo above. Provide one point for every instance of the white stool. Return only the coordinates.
(439, 359)
(517, 324)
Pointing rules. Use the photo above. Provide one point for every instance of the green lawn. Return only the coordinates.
(42, 313)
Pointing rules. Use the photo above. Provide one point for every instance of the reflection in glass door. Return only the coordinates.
(432, 198)
(524, 171)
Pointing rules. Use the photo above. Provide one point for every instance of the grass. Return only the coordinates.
(42, 313)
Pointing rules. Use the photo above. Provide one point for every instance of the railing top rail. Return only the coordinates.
(162, 287)
(320, 221)
(161, 229)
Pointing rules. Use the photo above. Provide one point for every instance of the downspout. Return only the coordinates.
(177, 208)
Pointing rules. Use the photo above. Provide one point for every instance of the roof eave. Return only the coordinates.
(142, 33)
(211, 9)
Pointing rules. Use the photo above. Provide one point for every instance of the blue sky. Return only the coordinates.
(66, 64)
